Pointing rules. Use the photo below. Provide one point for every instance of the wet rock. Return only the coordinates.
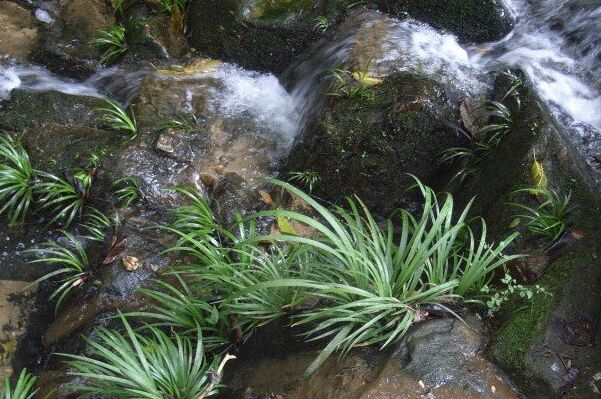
(26, 109)
(439, 358)
(152, 35)
(471, 20)
(220, 137)
(232, 197)
(258, 34)
(364, 146)
(533, 340)
(66, 46)
(130, 263)
(18, 30)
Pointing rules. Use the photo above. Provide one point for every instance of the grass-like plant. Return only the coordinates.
(158, 366)
(352, 85)
(71, 260)
(111, 42)
(308, 178)
(322, 23)
(186, 122)
(17, 178)
(23, 389)
(178, 307)
(64, 198)
(170, 5)
(548, 219)
(486, 139)
(98, 225)
(195, 218)
(373, 280)
(128, 190)
(118, 118)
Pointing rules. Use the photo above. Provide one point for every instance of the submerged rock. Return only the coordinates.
(18, 30)
(439, 358)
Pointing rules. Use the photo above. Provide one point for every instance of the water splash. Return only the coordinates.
(259, 95)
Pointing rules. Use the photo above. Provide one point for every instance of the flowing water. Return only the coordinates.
(557, 43)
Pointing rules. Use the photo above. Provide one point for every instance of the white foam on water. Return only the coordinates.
(9, 80)
(259, 95)
(42, 15)
(416, 47)
(39, 79)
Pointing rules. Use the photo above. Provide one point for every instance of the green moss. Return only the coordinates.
(470, 20)
(277, 9)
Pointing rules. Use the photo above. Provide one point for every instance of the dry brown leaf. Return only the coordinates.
(467, 117)
(266, 197)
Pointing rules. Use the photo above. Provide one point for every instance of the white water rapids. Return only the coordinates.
(557, 43)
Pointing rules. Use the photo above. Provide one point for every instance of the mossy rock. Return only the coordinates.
(260, 34)
(25, 109)
(471, 20)
(527, 343)
(366, 146)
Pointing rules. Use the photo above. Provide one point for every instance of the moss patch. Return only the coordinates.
(471, 20)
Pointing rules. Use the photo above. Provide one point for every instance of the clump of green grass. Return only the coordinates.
(169, 6)
(487, 138)
(73, 265)
(111, 43)
(548, 219)
(23, 389)
(322, 23)
(118, 118)
(307, 179)
(195, 218)
(17, 180)
(128, 190)
(182, 122)
(351, 85)
(158, 366)
(373, 280)
(178, 308)
(64, 198)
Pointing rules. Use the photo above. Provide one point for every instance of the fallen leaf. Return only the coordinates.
(365, 79)
(266, 197)
(578, 234)
(537, 172)
(130, 263)
(467, 117)
(285, 226)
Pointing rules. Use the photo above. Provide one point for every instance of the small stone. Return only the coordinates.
(421, 384)
(130, 263)
(493, 388)
(165, 143)
(597, 376)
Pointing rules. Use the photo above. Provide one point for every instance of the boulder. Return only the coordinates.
(366, 146)
(18, 30)
(66, 46)
(228, 129)
(475, 21)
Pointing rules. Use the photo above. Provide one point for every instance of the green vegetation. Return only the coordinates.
(548, 219)
(194, 219)
(98, 225)
(111, 42)
(352, 85)
(131, 365)
(170, 6)
(118, 119)
(184, 122)
(176, 307)
(128, 190)
(495, 121)
(74, 268)
(307, 179)
(352, 281)
(322, 23)
(17, 178)
(23, 389)
(65, 198)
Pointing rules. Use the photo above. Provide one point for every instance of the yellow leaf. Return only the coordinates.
(365, 79)
(537, 172)
(285, 226)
